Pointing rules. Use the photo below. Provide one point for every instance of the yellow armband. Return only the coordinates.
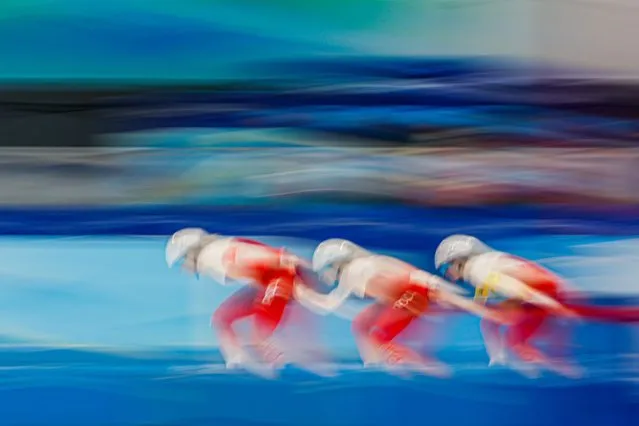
(486, 288)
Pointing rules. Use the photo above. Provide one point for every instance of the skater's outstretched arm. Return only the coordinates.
(429, 280)
(469, 306)
(514, 288)
(449, 294)
(322, 303)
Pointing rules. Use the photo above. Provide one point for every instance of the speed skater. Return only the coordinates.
(271, 274)
(526, 292)
(401, 292)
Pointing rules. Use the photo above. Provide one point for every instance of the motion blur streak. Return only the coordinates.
(297, 164)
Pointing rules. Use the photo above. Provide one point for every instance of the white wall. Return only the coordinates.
(595, 34)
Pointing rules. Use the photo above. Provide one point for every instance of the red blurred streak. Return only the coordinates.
(615, 314)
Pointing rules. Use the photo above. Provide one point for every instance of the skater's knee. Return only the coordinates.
(266, 323)
(518, 338)
(360, 327)
(381, 336)
(513, 337)
(527, 353)
(221, 321)
(490, 326)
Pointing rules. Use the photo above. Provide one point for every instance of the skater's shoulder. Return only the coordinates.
(479, 266)
(488, 258)
(389, 263)
(362, 262)
(212, 247)
(250, 242)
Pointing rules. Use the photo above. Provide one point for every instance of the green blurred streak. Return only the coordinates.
(343, 13)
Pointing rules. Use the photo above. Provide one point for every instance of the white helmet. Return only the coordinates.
(333, 251)
(457, 247)
(181, 242)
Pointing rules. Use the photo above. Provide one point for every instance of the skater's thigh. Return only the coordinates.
(391, 322)
(238, 305)
(514, 310)
(269, 314)
(365, 320)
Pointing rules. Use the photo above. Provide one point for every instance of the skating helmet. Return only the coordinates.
(331, 253)
(181, 242)
(457, 247)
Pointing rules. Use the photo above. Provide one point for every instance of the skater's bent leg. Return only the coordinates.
(389, 324)
(364, 321)
(518, 336)
(362, 326)
(491, 332)
(557, 332)
(238, 306)
(268, 316)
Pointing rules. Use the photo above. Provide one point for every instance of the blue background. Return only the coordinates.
(96, 330)
(187, 41)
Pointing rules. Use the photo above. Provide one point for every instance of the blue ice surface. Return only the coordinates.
(97, 331)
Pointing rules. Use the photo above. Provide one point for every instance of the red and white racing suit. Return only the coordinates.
(531, 294)
(271, 275)
(402, 294)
